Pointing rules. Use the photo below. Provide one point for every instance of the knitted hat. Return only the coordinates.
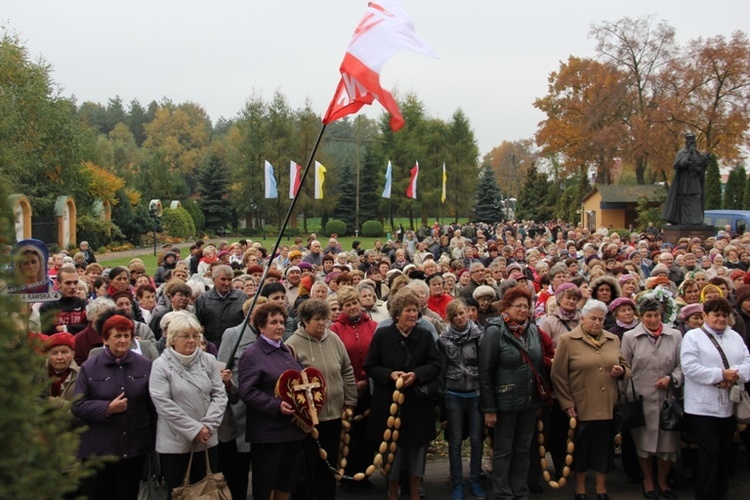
(290, 269)
(222, 254)
(305, 266)
(652, 283)
(660, 269)
(742, 293)
(330, 277)
(516, 275)
(116, 322)
(513, 267)
(565, 286)
(305, 285)
(624, 278)
(483, 291)
(737, 273)
(689, 310)
(122, 293)
(294, 254)
(58, 339)
(621, 301)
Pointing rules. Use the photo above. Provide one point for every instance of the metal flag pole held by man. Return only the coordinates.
(385, 30)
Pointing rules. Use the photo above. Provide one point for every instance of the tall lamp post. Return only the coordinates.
(156, 211)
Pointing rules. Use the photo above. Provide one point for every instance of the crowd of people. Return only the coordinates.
(512, 324)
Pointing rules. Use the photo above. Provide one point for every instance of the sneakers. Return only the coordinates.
(458, 492)
(477, 491)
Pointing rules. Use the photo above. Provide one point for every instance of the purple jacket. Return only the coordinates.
(260, 367)
(101, 380)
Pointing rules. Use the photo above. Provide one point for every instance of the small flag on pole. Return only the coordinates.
(320, 177)
(294, 179)
(388, 181)
(271, 191)
(385, 30)
(411, 190)
(445, 178)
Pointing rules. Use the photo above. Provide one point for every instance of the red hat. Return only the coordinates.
(58, 339)
(116, 322)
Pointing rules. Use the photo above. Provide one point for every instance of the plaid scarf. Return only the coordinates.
(514, 326)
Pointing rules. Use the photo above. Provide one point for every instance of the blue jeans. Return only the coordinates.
(457, 410)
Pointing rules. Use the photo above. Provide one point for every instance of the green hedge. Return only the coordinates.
(195, 213)
(335, 226)
(372, 229)
(97, 231)
(178, 223)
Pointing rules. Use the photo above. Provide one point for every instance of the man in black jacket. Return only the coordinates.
(68, 314)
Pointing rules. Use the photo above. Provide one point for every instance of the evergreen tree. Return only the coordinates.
(371, 182)
(487, 207)
(38, 438)
(346, 190)
(746, 196)
(713, 185)
(533, 198)
(735, 189)
(213, 188)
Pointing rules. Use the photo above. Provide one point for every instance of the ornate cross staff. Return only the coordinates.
(306, 387)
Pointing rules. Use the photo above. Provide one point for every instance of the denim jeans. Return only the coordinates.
(457, 411)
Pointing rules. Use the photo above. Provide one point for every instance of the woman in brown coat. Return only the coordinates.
(587, 365)
(653, 351)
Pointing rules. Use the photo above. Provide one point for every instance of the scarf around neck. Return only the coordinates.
(514, 326)
(567, 315)
(627, 326)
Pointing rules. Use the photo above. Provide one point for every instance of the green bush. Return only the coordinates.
(335, 226)
(97, 231)
(195, 213)
(178, 223)
(372, 229)
(624, 233)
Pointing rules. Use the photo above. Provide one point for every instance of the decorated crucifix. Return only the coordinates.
(305, 391)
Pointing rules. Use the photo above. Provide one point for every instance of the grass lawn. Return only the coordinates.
(147, 254)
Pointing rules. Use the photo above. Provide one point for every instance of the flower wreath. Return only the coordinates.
(664, 296)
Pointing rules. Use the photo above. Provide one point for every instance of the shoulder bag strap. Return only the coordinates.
(716, 344)
(186, 479)
(565, 324)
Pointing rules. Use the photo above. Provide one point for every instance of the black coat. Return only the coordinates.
(388, 353)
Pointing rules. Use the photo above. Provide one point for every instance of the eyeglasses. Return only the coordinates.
(187, 336)
(521, 307)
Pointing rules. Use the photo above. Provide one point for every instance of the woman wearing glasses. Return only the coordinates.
(187, 389)
(588, 363)
(511, 360)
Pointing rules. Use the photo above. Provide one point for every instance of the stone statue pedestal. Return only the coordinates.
(673, 233)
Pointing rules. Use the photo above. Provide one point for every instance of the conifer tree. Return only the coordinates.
(713, 185)
(735, 189)
(487, 207)
(213, 188)
(346, 190)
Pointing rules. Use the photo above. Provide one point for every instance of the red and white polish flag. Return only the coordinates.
(411, 189)
(385, 30)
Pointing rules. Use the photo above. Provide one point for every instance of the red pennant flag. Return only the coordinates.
(385, 30)
(411, 190)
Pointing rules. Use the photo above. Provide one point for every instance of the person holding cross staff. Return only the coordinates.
(320, 348)
(275, 439)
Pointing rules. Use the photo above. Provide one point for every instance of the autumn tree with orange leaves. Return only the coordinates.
(637, 98)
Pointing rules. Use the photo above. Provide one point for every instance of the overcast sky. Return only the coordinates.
(494, 56)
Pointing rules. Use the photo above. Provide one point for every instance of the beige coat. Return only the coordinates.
(581, 374)
(649, 362)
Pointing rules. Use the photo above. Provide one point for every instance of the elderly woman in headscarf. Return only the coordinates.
(60, 369)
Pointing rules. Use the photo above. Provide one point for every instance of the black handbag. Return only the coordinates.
(672, 414)
(629, 414)
(432, 390)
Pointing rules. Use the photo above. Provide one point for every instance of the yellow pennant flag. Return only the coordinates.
(445, 179)
(320, 177)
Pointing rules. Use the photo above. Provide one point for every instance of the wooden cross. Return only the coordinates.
(306, 386)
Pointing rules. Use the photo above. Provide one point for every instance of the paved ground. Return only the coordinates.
(437, 485)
